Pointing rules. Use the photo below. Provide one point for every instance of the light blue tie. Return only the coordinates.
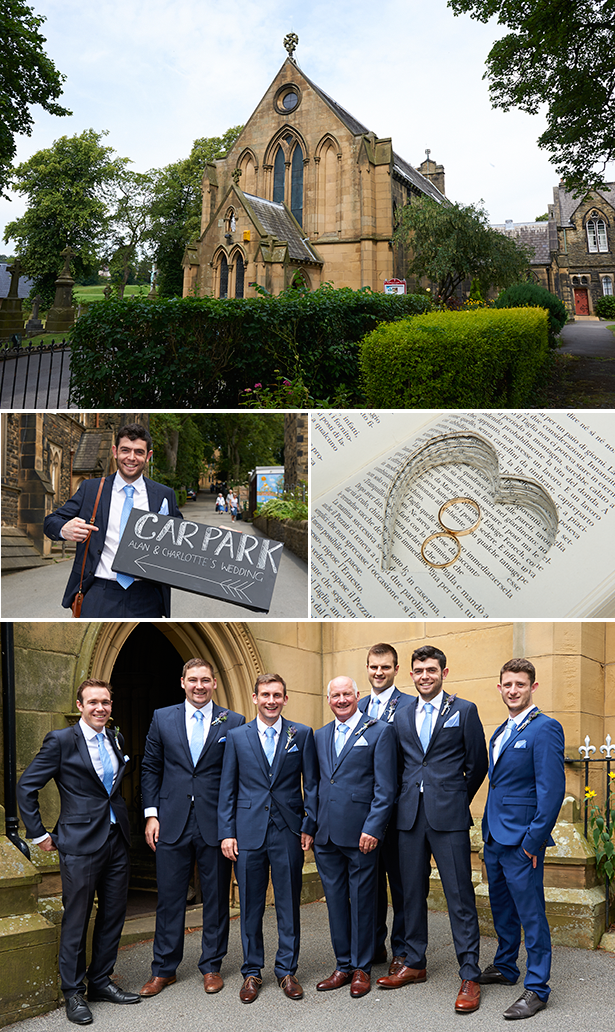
(269, 744)
(426, 726)
(196, 742)
(342, 731)
(374, 710)
(123, 579)
(107, 766)
(510, 726)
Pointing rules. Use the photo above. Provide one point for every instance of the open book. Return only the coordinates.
(535, 536)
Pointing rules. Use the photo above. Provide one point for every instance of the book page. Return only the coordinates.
(509, 566)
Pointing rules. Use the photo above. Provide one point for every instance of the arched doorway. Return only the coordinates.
(581, 301)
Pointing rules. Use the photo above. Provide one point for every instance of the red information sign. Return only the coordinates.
(395, 286)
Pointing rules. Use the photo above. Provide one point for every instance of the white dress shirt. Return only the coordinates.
(112, 537)
(261, 727)
(190, 710)
(382, 700)
(351, 722)
(497, 745)
(420, 712)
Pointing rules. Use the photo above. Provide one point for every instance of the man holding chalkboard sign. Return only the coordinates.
(107, 594)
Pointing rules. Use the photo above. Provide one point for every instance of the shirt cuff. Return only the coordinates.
(41, 838)
(150, 811)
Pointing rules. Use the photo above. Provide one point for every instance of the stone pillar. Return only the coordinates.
(61, 317)
(36, 489)
(11, 317)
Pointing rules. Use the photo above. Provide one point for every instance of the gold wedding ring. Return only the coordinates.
(432, 537)
(456, 501)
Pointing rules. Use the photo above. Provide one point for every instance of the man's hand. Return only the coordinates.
(531, 857)
(307, 841)
(47, 845)
(229, 848)
(152, 831)
(367, 843)
(77, 530)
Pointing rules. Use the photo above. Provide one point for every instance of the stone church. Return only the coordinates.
(307, 192)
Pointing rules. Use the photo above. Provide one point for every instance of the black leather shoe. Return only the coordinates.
(526, 1006)
(491, 976)
(112, 994)
(78, 1011)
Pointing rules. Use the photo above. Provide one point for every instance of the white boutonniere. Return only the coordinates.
(220, 718)
(448, 702)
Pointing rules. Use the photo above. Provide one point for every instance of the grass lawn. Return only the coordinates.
(95, 293)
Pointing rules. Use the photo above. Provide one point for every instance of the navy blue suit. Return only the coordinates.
(265, 809)
(356, 796)
(388, 857)
(93, 853)
(436, 820)
(526, 790)
(149, 599)
(186, 797)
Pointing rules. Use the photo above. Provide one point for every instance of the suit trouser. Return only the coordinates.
(451, 851)
(106, 872)
(516, 895)
(108, 598)
(388, 865)
(282, 853)
(174, 865)
(349, 878)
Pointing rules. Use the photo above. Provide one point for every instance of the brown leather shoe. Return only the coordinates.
(396, 965)
(404, 976)
(213, 982)
(334, 981)
(156, 985)
(361, 983)
(291, 987)
(468, 998)
(250, 989)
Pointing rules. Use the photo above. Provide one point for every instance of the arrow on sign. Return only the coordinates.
(231, 588)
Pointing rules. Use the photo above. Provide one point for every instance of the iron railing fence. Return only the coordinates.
(35, 376)
(586, 752)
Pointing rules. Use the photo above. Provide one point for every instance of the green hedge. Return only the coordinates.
(531, 295)
(605, 307)
(203, 352)
(479, 359)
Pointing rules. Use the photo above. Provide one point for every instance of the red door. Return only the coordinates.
(581, 301)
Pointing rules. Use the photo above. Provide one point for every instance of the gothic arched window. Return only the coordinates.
(279, 172)
(596, 233)
(296, 189)
(223, 292)
(239, 275)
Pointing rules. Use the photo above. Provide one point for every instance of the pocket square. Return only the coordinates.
(293, 748)
(360, 741)
(219, 740)
(126, 758)
(164, 508)
(520, 744)
(453, 721)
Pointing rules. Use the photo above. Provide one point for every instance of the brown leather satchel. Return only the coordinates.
(78, 599)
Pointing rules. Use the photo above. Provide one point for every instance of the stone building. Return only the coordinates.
(307, 191)
(295, 449)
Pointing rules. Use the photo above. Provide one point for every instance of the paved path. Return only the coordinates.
(581, 1001)
(589, 368)
(38, 593)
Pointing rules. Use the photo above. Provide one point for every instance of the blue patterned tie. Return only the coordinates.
(269, 744)
(342, 730)
(374, 710)
(196, 742)
(123, 579)
(107, 766)
(426, 726)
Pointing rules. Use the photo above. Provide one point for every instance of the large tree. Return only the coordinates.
(69, 187)
(27, 77)
(177, 202)
(559, 54)
(237, 442)
(450, 243)
(129, 225)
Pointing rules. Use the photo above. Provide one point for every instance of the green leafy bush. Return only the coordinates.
(530, 295)
(204, 352)
(605, 307)
(480, 359)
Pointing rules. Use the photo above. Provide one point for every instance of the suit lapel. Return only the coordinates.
(280, 751)
(212, 734)
(153, 500)
(104, 506)
(494, 736)
(387, 709)
(255, 742)
(84, 752)
(410, 712)
(348, 744)
(440, 720)
(180, 728)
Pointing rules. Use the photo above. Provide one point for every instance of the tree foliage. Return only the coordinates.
(238, 442)
(129, 225)
(454, 242)
(27, 77)
(176, 207)
(557, 54)
(179, 449)
(68, 189)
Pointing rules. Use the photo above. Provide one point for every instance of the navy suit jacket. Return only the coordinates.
(83, 825)
(397, 702)
(358, 787)
(451, 771)
(526, 785)
(252, 790)
(82, 504)
(169, 779)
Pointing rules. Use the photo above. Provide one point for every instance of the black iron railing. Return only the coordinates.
(35, 376)
(586, 752)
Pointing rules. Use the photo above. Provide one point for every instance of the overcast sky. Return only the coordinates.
(158, 74)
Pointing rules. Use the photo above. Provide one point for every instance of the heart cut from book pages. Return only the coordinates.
(476, 451)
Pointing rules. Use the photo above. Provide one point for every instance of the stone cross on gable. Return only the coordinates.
(290, 43)
(67, 254)
(427, 152)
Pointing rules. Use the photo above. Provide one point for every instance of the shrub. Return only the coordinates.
(605, 307)
(204, 352)
(530, 295)
(477, 359)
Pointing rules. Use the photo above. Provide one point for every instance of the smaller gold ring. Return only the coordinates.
(432, 537)
(455, 501)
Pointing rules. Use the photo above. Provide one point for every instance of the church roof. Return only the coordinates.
(277, 221)
(568, 203)
(540, 238)
(414, 177)
(351, 123)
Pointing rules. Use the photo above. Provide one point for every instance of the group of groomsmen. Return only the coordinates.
(378, 791)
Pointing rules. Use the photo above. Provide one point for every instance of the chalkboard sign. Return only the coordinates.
(216, 561)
